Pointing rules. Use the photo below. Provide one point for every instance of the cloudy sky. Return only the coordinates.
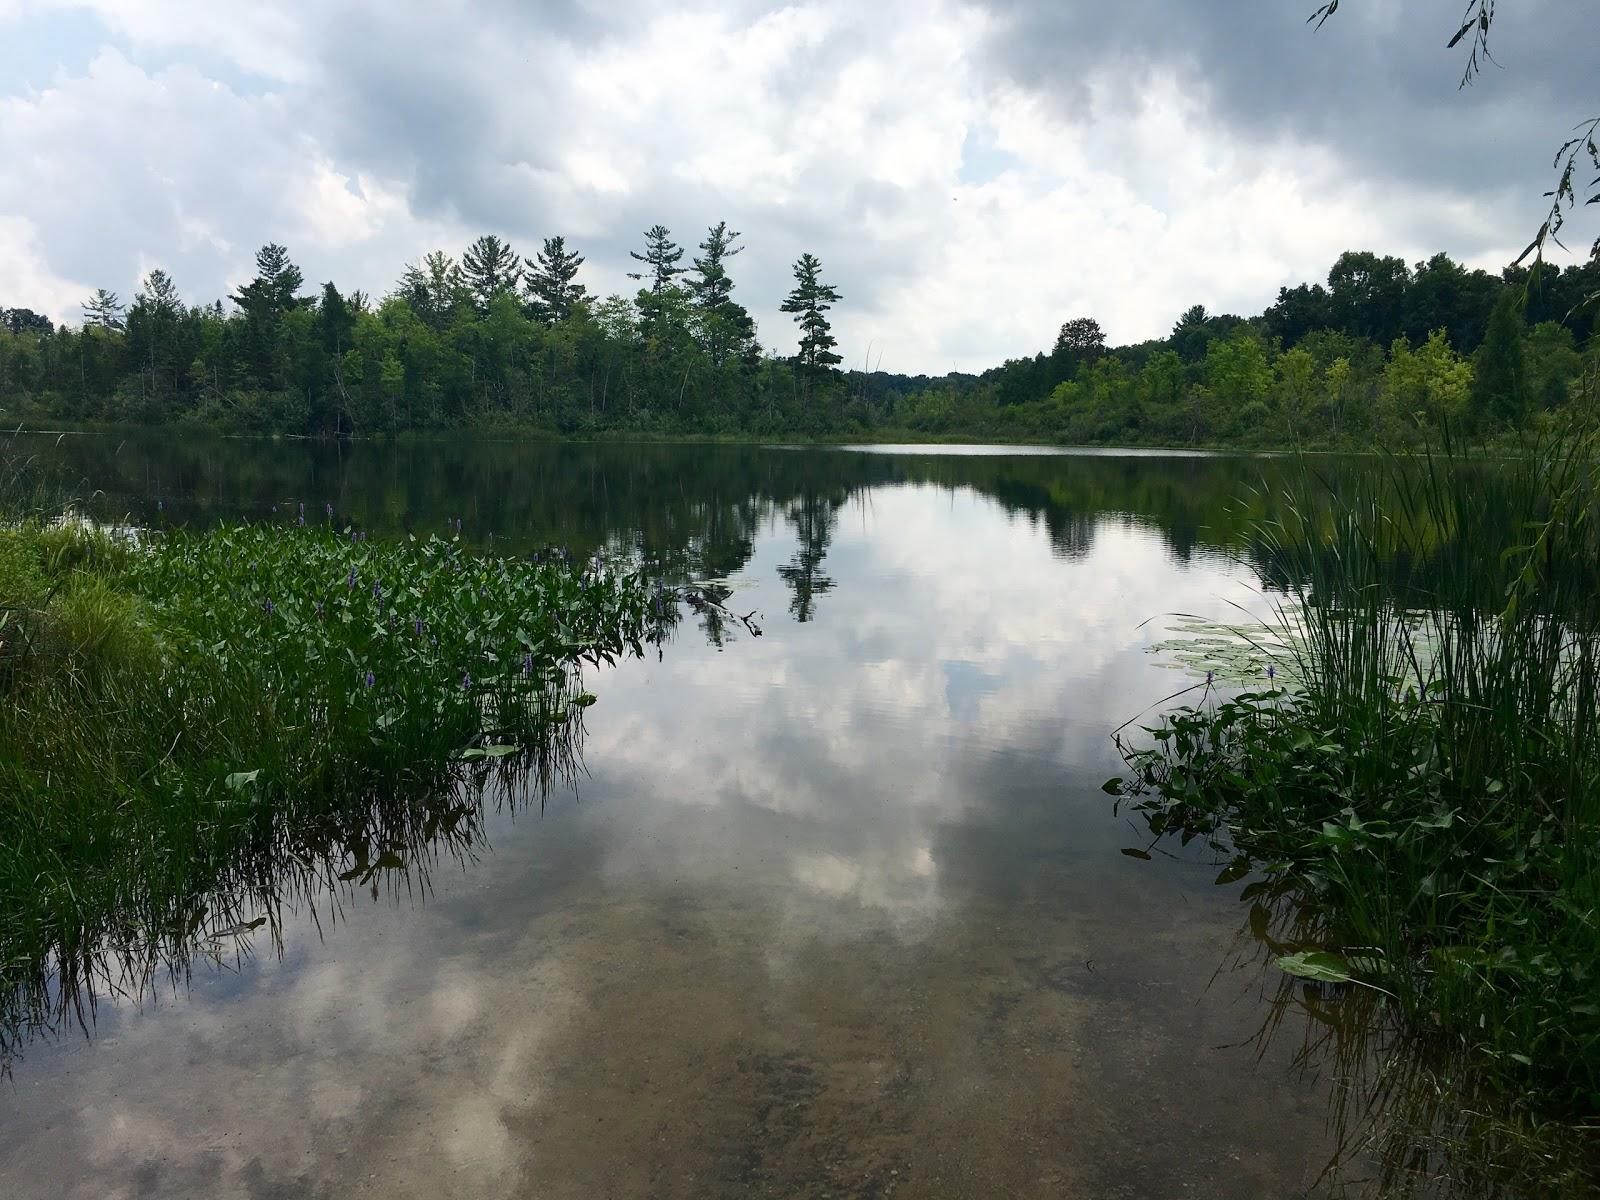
(970, 174)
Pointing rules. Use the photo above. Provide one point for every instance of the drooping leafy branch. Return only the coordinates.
(1569, 163)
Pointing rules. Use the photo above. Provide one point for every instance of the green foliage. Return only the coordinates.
(1432, 385)
(490, 269)
(553, 290)
(192, 711)
(1500, 390)
(94, 639)
(809, 302)
(491, 342)
(1427, 776)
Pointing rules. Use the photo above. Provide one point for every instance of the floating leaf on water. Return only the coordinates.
(1133, 853)
(1320, 965)
(585, 700)
(240, 929)
(1234, 871)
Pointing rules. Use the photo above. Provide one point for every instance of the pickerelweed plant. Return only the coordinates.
(190, 715)
(1424, 772)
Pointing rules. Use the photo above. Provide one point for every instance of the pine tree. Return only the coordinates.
(160, 294)
(661, 255)
(273, 291)
(810, 299)
(1499, 390)
(726, 325)
(491, 269)
(552, 283)
(103, 309)
(433, 288)
(336, 319)
(265, 300)
(160, 341)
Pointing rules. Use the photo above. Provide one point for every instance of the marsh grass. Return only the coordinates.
(1430, 784)
(196, 721)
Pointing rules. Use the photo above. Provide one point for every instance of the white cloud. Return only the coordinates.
(28, 279)
(363, 135)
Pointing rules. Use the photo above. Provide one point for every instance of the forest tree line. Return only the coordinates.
(493, 340)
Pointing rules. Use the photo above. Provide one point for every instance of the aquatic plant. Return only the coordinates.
(1427, 776)
(190, 713)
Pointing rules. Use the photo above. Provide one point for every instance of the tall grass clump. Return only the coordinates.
(190, 715)
(1423, 771)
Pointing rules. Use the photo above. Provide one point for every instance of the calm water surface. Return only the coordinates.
(836, 911)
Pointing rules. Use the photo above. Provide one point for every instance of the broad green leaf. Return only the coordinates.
(1320, 965)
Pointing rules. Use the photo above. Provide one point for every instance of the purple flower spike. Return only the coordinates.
(300, 520)
(1272, 672)
(466, 683)
(370, 679)
(269, 607)
(328, 508)
(351, 581)
(377, 588)
(417, 625)
(161, 506)
(1210, 675)
(319, 608)
(527, 664)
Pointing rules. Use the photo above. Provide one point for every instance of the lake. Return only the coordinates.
(839, 910)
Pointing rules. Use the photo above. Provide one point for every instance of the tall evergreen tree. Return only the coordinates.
(661, 255)
(809, 300)
(726, 326)
(160, 294)
(552, 283)
(336, 321)
(265, 300)
(103, 309)
(274, 290)
(1192, 334)
(1499, 388)
(157, 340)
(491, 269)
(433, 288)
